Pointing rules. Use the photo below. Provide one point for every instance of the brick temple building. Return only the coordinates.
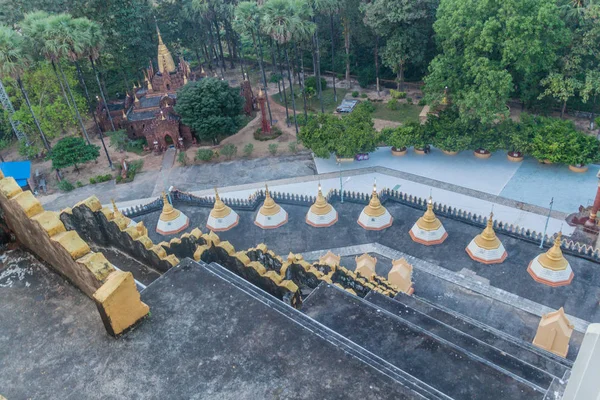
(147, 112)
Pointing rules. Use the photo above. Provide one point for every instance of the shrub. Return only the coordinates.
(101, 178)
(263, 137)
(71, 151)
(393, 105)
(409, 100)
(136, 146)
(311, 82)
(182, 158)
(248, 149)
(65, 185)
(366, 106)
(204, 155)
(422, 102)
(118, 140)
(355, 93)
(275, 78)
(229, 150)
(293, 146)
(580, 149)
(340, 77)
(78, 184)
(395, 94)
(366, 76)
(273, 148)
(597, 122)
(448, 132)
(363, 96)
(29, 152)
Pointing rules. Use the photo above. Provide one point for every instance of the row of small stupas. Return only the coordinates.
(550, 268)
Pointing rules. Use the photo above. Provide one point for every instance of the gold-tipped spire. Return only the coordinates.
(165, 60)
(374, 209)
(269, 206)
(488, 239)
(261, 94)
(169, 213)
(320, 206)
(149, 85)
(553, 259)
(220, 209)
(124, 115)
(118, 217)
(135, 98)
(115, 208)
(429, 221)
(162, 115)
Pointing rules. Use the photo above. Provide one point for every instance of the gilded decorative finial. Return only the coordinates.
(217, 198)
(115, 208)
(123, 114)
(162, 115)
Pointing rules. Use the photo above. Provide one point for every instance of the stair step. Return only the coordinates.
(496, 357)
(436, 361)
(553, 364)
(413, 387)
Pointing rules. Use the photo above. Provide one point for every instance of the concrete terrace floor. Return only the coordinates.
(579, 299)
(204, 339)
(529, 181)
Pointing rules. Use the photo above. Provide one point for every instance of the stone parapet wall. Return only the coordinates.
(44, 234)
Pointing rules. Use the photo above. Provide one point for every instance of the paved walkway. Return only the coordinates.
(528, 182)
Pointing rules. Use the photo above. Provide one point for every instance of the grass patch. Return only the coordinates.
(405, 112)
(313, 105)
(263, 137)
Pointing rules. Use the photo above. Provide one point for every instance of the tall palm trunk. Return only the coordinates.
(264, 75)
(87, 138)
(318, 65)
(287, 113)
(274, 68)
(377, 64)
(102, 93)
(35, 120)
(87, 96)
(347, 48)
(332, 56)
(220, 48)
(287, 60)
(62, 87)
(301, 81)
(241, 62)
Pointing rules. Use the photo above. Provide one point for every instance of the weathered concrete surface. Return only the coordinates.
(203, 340)
(195, 177)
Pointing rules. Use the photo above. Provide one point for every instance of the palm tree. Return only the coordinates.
(282, 22)
(13, 61)
(330, 7)
(247, 20)
(33, 27)
(60, 40)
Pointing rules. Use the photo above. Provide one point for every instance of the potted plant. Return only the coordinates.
(580, 150)
(357, 135)
(419, 137)
(485, 141)
(400, 139)
(550, 140)
(518, 139)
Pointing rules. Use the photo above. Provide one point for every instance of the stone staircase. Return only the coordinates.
(457, 356)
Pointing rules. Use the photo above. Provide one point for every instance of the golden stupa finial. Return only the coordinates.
(488, 239)
(169, 212)
(374, 209)
(123, 114)
(149, 85)
(554, 259)
(220, 209)
(162, 115)
(269, 206)
(320, 206)
(429, 221)
(115, 208)
(261, 94)
(135, 98)
(160, 41)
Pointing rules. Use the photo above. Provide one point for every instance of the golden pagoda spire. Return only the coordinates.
(488, 239)
(553, 259)
(115, 208)
(320, 206)
(429, 221)
(169, 213)
(374, 209)
(135, 98)
(220, 209)
(124, 115)
(269, 207)
(165, 60)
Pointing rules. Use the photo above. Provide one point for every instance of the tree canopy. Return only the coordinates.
(71, 151)
(211, 108)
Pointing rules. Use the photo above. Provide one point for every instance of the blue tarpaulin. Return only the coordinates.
(20, 170)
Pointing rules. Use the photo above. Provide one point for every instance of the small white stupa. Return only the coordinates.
(486, 247)
(171, 220)
(375, 217)
(321, 214)
(551, 268)
(428, 229)
(270, 215)
(221, 218)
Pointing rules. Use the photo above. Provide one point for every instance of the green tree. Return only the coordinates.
(407, 27)
(211, 108)
(71, 151)
(491, 50)
(560, 87)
